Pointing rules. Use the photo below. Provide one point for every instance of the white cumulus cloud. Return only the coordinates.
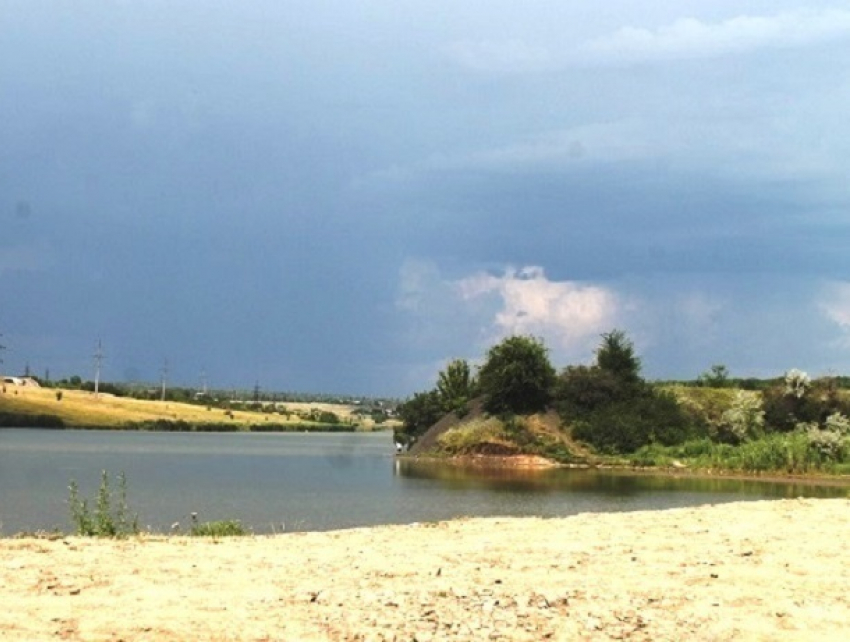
(693, 38)
(686, 37)
(837, 305)
(567, 314)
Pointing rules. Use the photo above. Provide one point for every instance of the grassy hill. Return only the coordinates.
(78, 408)
(478, 433)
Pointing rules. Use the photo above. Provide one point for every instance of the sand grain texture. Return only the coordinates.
(772, 570)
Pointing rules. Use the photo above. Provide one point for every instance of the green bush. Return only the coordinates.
(517, 377)
(788, 404)
(456, 386)
(704, 406)
(789, 453)
(743, 420)
(223, 528)
(625, 426)
(21, 420)
(580, 390)
(616, 355)
(418, 414)
(110, 516)
(699, 448)
(794, 453)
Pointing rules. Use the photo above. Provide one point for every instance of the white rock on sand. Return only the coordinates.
(772, 570)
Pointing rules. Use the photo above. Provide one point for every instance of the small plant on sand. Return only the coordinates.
(110, 516)
(223, 528)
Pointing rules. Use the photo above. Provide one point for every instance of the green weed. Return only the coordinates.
(110, 516)
(223, 528)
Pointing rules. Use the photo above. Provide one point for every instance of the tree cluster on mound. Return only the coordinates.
(611, 407)
(608, 404)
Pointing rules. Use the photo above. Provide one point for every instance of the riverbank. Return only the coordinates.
(534, 462)
(775, 570)
(25, 406)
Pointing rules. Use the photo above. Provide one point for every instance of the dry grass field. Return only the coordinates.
(82, 408)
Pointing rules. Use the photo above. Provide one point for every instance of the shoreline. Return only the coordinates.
(212, 428)
(535, 462)
(776, 569)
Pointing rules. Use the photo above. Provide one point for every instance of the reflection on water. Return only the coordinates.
(317, 482)
(612, 482)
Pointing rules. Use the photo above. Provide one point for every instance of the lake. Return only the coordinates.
(275, 482)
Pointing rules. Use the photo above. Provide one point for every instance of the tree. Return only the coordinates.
(617, 356)
(612, 408)
(717, 377)
(614, 378)
(625, 426)
(418, 414)
(517, 376)
(582, 389)
(455, 386)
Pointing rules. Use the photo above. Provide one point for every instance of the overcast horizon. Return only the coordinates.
(341, 197)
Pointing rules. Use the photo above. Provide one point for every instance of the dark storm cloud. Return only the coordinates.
(340, 197)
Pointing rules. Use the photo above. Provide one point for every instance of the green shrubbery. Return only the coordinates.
(791, 424)
(177, 425)
(517, 377)
(703, 406)
(798, 400)
(110, 516)
(222, 528)
(743, 420)
(456, 386)
(625, 426)
(21, 420)
(792, 453)
(418, 414)
(613, 409)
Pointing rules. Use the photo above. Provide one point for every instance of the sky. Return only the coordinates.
(341, 197)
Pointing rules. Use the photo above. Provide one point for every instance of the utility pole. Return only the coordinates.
(164, 376)
(98, 361)
(2, 347)
(204, 383)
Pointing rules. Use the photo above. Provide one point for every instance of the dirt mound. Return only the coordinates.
(545, 429)
(428, 441)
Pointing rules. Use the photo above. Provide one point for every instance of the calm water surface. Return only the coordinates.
(315, 482)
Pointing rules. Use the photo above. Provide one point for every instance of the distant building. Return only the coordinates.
(21, 381)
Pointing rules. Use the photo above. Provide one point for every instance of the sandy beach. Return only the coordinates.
(770, 570)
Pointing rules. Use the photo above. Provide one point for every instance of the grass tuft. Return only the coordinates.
(222, 528)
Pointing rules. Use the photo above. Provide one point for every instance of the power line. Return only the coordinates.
(164, 377)
(98, 361)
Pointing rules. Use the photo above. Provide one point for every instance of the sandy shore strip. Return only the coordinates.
(768, 570)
